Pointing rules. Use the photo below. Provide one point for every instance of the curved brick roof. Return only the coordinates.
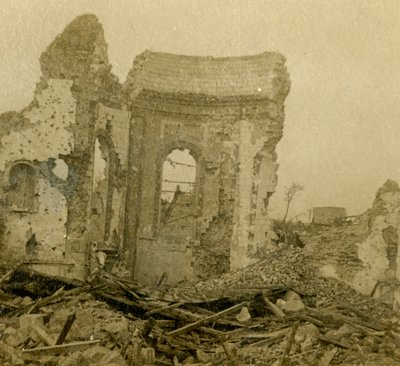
(260, 75)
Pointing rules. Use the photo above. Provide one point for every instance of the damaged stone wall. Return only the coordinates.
(53, 136)
(256, 183)
(363, 252)
(92, 152)
(38, 136)
(111, 148)
(232, 134)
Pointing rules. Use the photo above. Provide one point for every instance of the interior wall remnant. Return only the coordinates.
(264, 183)
(100, 190)
(212, 255)
(114, 123)
(251, 225)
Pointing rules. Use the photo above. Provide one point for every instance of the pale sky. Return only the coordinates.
(342, 131)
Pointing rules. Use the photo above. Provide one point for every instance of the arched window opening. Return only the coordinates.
(178, 190)
(22, 188)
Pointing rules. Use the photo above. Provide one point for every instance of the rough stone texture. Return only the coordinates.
(229, 113)
(79, 53)
(54, 136)
(227, 141)
(94, 150)
(364, 251)
(261, 75)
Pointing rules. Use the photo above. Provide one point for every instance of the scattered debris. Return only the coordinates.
(114, 322)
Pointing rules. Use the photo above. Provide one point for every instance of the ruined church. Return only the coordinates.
(170, 171)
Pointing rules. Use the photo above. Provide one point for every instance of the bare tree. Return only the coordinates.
(290, 193)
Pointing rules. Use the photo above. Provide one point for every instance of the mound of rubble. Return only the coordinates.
(277, 311)
(279, 270)
(295, 290)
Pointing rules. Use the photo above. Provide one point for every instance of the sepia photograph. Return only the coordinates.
(199, 182)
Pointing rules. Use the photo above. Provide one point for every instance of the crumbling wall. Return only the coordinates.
(80, 54)
(54, 136)
(113, 128)
(207, 133)
(98, 152)
(44, 129)
(245, 178)
(37, 134)
(364, 252)
(212, 254)
(236, 176)
(229, 113)
(256, 183)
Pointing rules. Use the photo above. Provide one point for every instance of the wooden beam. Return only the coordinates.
(67, 326)
(61, 347)
(289, 344)
(275, 309)
(172, 306)
(207, 319)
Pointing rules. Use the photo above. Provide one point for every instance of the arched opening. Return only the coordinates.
(22, 188)
(101, 189)
(178, 193)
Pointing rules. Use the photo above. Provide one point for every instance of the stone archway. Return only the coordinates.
(175, 219)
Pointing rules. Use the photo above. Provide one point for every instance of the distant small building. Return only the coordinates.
(327, 215)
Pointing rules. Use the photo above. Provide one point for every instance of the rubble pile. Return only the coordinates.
(287, 267)
(275, 314)
(362, 251)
